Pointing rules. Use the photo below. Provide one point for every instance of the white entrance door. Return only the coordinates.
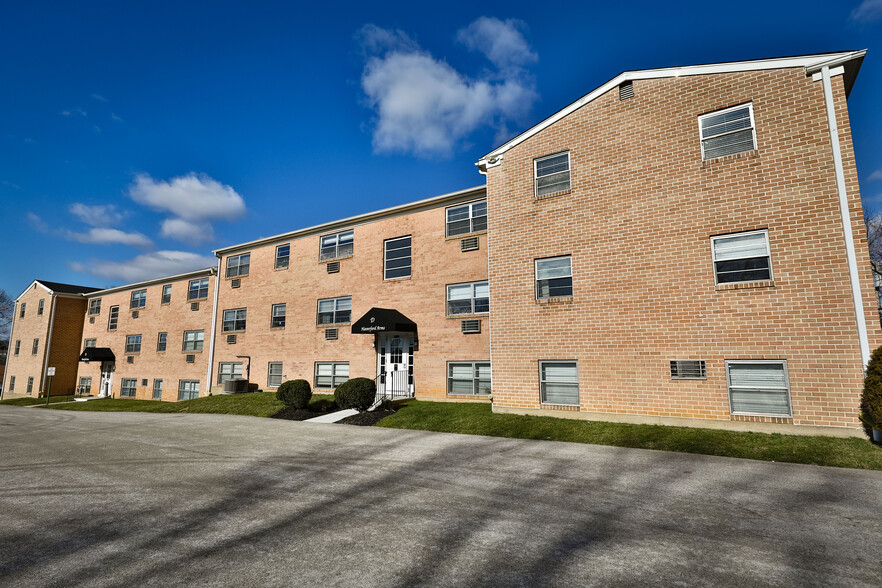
(104, 389)
(395, 364)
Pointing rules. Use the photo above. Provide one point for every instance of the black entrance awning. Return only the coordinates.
(381, 320)
(97, 354)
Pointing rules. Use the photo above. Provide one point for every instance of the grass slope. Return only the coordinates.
(477, 419)
(30, 400)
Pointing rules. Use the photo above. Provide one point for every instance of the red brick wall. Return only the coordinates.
(65, 350)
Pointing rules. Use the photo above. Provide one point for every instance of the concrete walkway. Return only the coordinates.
(333, 417)
(137, 499)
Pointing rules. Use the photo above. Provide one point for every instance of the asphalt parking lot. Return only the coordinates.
(112, 499)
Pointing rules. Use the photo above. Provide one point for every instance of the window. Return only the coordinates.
(89, 343)
(17, 346)
(95, 306)
(469, 298)
(467, 377)
(552, 174)
(161, 341)
(229, 371)
(283, 254)
(467, 218)
(744, 257)
(238, 265)
(188, 389)
(397, 258)
(554, 277)
(559, 382)
(337, 245)
(113, 318)
(35, 347)
(278, 318)
(133, 344)
(11, 383)
(129, 387)
(139, 299)
(274, 376)
(21, 311)
(85, 386)
(331, 374)
(234, 320)
(193, 340)
(30, 384)
(727, 132)
(758, 388)
(335, 310)
(197, 289)
(40, 306)
(157, 389)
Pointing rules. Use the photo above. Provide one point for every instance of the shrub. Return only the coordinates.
(357, 393)
(296, 393)
(871, 399)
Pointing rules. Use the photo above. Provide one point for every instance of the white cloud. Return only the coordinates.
(876, 175)
(78, 111)
(99, 97)
(194, 197)
(99, 215)
(187, 231)
(37, 223)
(114, 116)
(146, 266)
(104, 236)
(502, 42)
(868, 11)
(10, 184)
(426, 107)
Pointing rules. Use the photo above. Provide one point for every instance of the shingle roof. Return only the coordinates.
(68, 288)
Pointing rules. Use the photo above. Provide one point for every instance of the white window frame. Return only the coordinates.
(536, 280)
(330, 246)
(113, 318)
(138, 299)
(702, 138)
(536, 176)
(781, 362)
(17, 346)
(471, 218)
(227, 370)
(166, 294)
(85, 385)
(195, 343)
(11, 383)
(279, 264)
(195, 289)
(235, 270)
(30, 389)
(157, 388)
(386, 260)
(133, 345)
(715, 238)
(188, 387)
(161, 341)
(279, 311)
(128, 384)
(472, 310)
(21, 309)
(235, 320)
(543, 382)
(476, 382)
(271, 377)
(94, 306)
(335, 318)
(334, 376)
(35, 347)
(40, 306)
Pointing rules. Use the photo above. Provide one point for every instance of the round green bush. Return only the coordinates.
(871, 399)
(296, 393)
(357, 393)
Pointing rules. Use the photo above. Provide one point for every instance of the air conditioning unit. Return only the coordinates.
(235, 283)
(231, 339)
(135, 314)
(91, 320)
(191, 358)
(471, 326)
(331, 334)
(236, 386)
(130, 359)
(194, 306)
(334, 267)
(469, 244)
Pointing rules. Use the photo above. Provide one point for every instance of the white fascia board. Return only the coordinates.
(28, 289)
(209, 271)
(809, 62)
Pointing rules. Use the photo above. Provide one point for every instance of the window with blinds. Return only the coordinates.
(552, 174)
(468, 378)
(559, 382)
(554, 277)
(743, 257)
(759, 388)
(727, 132)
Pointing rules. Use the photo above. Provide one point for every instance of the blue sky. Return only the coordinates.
(135, 137)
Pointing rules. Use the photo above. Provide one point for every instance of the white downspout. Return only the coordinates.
(213, 327)
(846, 220)
(9, 350)
(48, 343)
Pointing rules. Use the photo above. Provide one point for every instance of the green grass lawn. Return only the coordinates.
(262, 404)
(477, 419)
(30, 401)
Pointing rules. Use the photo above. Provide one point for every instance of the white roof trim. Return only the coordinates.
(28, 289)
(810, 62)
(209, 271)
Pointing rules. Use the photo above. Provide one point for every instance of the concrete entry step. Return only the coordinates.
(333, 417)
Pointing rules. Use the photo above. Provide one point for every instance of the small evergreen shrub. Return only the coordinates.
(295, 393)
(357, 393)
(871, 399)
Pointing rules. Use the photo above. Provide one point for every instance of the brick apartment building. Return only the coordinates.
(643, 252)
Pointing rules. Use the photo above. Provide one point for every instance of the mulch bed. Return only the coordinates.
(367, 419)
(296, 414)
